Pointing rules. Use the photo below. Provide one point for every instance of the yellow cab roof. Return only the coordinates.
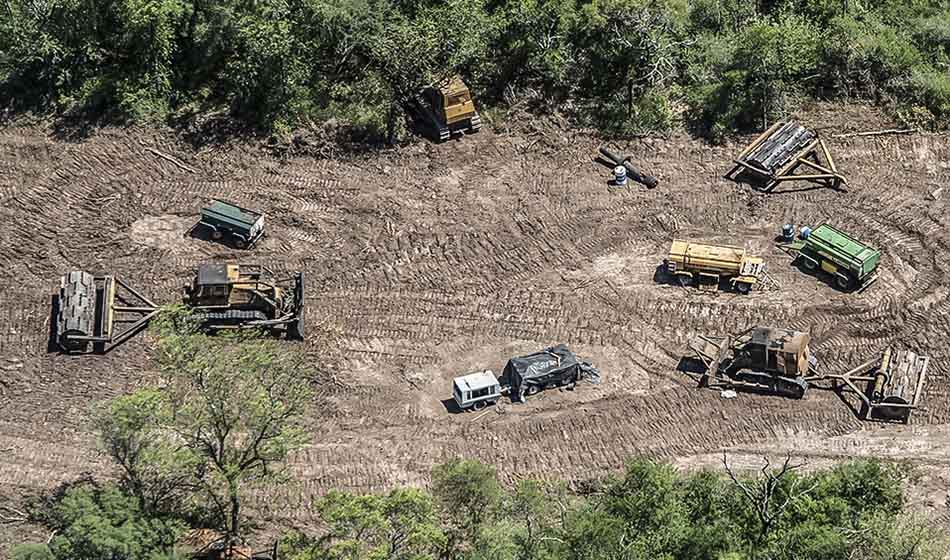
(453, 85)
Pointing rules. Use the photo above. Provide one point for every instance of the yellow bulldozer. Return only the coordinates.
(779, 361)
(103, 311)
(764, 359)
(444, 110)
(232, 296)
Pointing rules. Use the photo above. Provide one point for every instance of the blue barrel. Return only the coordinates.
(620, 176)
(804, 232)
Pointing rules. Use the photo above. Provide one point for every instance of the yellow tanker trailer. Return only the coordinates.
(712, 264)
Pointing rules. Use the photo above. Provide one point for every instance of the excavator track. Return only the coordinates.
(779, 385)
(475, 124)
(230, 318)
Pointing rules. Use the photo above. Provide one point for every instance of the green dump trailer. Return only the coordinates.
(852, 264)
(225, 220)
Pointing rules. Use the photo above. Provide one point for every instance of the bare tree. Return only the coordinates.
(768, 494)
(648, 39)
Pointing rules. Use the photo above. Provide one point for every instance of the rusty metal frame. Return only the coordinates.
(827, 175)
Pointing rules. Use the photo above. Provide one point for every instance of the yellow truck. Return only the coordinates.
(701, 264)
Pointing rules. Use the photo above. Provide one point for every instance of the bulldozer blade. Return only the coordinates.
(296, 329)
(710, 349)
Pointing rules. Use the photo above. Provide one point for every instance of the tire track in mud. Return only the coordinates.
(579, 442)
(421, 267)
(26, 157)
(844, 341)
(25, 326)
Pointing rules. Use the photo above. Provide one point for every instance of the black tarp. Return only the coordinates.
(552, 366)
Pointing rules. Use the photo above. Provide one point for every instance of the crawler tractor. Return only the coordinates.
(103, 311)
(231, 296)
(439, 112)
(762, 359)
(778, 361)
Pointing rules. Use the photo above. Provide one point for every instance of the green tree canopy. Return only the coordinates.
(620, 65)
(236, 405)
(94, 522)
(469, 495)
(401, 525)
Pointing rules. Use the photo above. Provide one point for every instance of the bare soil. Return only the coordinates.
(429, 261)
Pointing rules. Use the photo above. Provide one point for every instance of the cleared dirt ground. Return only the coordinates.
(433, 260)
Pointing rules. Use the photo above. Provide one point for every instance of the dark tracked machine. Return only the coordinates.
(231, 296)
(762, 359)
(98, 313)
(779, 362)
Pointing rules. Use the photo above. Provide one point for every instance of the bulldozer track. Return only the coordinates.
(432, 261)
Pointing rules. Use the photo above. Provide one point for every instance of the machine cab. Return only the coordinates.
(212, 285)
(454, 100)
(781, 351)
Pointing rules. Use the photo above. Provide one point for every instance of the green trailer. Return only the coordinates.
(241, 226)
(854, 265)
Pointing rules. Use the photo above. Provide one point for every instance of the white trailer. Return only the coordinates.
(476, 390)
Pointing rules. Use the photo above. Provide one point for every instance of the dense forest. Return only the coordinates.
(621, 66)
